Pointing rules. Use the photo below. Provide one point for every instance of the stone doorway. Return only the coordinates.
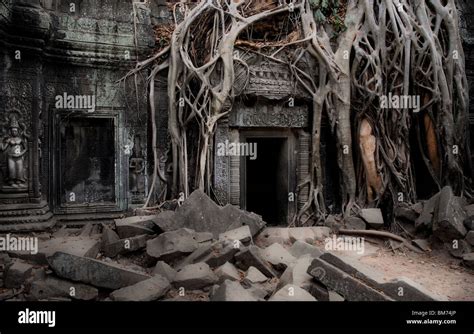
(87, 174)
(267, 179)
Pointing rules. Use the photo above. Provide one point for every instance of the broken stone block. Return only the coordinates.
(373, 217)
(204, 237)
(278, 256)
(232, 291)
(290, 293)
(468, 260)
(243, 218)
(251, 256)
(17, 274)
(469, 223)
(241, 234)
(214, 255)
(195, 276)
(109, 236)
(321, 232)
(52, 287)
(227, 272)
(254, 275)
(470, 238)
(458, 248)
(171, 245)
(425, 220)
(165, 221)
(374, 279)
(297, 274)
(404, 211)
(423, 244)
(127, 245)
(301, 248)
(301, 234)
(147, 290)
(94, 272)
(469, 209)
(449, 216)
(199, 255)
(354, 223)
(333, 223)
(349, 287)
(133, 226)
(164, 270)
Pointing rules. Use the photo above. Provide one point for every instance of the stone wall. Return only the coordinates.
(52, 47)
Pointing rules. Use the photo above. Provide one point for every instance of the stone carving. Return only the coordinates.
(137, 170)
(13, 148)
(269, 116)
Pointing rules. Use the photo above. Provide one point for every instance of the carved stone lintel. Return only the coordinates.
(269, 116)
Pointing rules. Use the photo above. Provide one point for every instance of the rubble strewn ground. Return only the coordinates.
(203, 252)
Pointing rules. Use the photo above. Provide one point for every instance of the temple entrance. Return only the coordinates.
(86, 175)
(265, 178)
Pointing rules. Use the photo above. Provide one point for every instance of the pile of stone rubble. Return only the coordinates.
(202, 251)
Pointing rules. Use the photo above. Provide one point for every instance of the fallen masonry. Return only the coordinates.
(148, 258)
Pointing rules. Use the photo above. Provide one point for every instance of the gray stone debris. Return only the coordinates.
(290, 293)
(250, 256)
(254, 275)
(367, 275)
(126, 245)
(354, 223)
(470, 238)
(449, 216)
(296, 274)
(94, 272)
(215, 254)
(133, 226)
(468, 260)
(201, 214)
(232, 291)
(459, 248)
(343, 283)
(278, 256)
(469, 223)
(52, 287)
(227, 272)
(163, 269)
(195, 276)
(17, 273)
(147, 290)
(171, 245)
(373, 217)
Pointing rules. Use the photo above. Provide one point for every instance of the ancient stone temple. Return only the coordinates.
(72, 145)
(76, 143)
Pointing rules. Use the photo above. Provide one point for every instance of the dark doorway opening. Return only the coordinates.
(87, 161)
(267, 180)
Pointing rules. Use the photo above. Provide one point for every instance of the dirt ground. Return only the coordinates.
(436, 271)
